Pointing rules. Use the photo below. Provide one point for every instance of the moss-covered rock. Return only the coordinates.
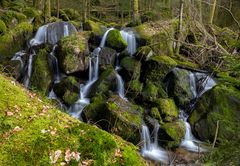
(68, 90)
(72, 53)
(221, 104)
(144, 53)
(131, 68)
(3, 27)
(107, 56)
(157, 67)
(106, 82)
(168, 109)
(12, 18)
(134, 88)
(32, 132)
(179, 87)
(154, 113)
(116, 41)
(95, 27)
(15, 40)
(173, 132)
(41, 74)
(116, 116)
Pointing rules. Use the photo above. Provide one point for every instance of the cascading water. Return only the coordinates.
(29, 69)
(55, 68)
(189, 142)
(150, 148)
(76, 109)
(65, 30)
(120, 86)
(40, 37)
(18, 57)
(130, 38)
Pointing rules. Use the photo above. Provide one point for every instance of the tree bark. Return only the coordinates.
(178, 36)
(212, 12)
(135, 11)
(47, 10)
(58, 8)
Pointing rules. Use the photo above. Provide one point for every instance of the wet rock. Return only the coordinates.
(72, 53)
(107, 57)
(116, 41)
(221, 104)
(131, 68)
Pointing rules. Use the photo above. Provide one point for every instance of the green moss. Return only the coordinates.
(3, 27)
(132, 67)
(164, 59)
(36, 130)
(175, 131)
(70, 97)
(41, 75)
(94, 27)
(154, 113)
(115, 41)
(150, 92)
(135, 88)
(31, 12)
(168, 109)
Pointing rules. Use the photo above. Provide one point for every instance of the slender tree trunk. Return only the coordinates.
(58, 8)
(199, 6)
(212, 12)
(178, 36)
(135, 11)
(47, 10)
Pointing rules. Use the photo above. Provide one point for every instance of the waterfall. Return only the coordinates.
(76, 109)
(193, 84)
(55, 68)
(189, 142)
(29, 70)
(205, 81)
(150, 148)
(65, 30)
(130, 38)
(18, 57)
(102, 44)
(120, 86)
(40, 37)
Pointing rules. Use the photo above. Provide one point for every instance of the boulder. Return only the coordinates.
(157, 67)
(72, 53)
(221, 104)
(179, 86)
(144, 53)
(116, 41)
(154, 113)
(68, 90)
(117, 116)
(134, 89)
(105, 83)
(107, 56)
(41, 73)
(131, 68)
(167, 109)
(95, 27)
(173, 133)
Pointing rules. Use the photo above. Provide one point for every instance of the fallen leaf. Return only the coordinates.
(55, 156)
(118, 153)
(67, 155)
(8, 113)
(17, 128)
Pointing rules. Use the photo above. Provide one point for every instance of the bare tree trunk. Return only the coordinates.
(58, 8)
(212, 12)
(179, 27)
(199, 6)
(135, 11)
(47, 10)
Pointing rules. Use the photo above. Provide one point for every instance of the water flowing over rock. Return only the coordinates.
(130, 38)
(27, 77)
(120, 86)
(150, 148)
(51, 33)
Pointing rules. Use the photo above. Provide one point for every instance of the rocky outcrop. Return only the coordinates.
(72, 53)
(221, 104)
(131, 68)
(116, 116)
(116, 41)
(107, 56)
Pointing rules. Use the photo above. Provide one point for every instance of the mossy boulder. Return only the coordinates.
(168, 109)
(116, 116)
(107, 56)
(221, 104)
(131, 68)
(179, 87)
(95, 27)
(106, 83)
(41, 74)
(157, 67)
(173, 132)
(154, 113)
(13, 18)
(134, 88)
(3, 27)
(14, 40)
(144, 53)
(151, 92)
(116, 41)
(68, 90)
(33, 132)
(72, 53)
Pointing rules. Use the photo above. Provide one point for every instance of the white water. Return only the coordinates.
(40, 37)
(102, 44)
(29, 70)
(120, 86)
(190, 142)
(150, 148)
(18, 57)
(76, 109)
(130, 38)
(193, 84)
(65, 30)
(56, 77)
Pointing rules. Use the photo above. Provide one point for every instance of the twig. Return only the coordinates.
(216, 133)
